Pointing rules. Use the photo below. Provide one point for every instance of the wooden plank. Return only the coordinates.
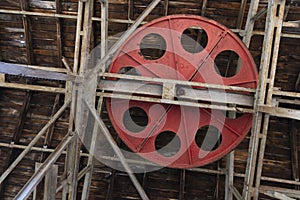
(278, 195)
(59, 34)
(33, 87)
(111, 185)
(12, 153)
(27, 33)
(204, 6)
(297, 85)
(2, 78)
(166, 7)
(294, 151)
(22, 117)
(130, 10)
(51, 183)
(49, 134)
(281, 112)
(182, 184)
(285, 191)
(241, 14)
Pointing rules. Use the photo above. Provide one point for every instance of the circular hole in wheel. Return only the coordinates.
(135, 119)
(228, 63)
(194, 39)
(167, 143)
(153, 46)
(208, 138)
(129, 71)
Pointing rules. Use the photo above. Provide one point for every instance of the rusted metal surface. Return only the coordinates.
(220, 39)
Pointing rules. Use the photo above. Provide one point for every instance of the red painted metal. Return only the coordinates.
(198, 67)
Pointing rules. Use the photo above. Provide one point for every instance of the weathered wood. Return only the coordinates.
(12, 154)
(33, 142)
(41, 171)
(130, 10)
(297, 85)
(288, 192)
(49, 133)
(44, 44)
(182, 185)
(204, 5)
(166, 7)
(2, 78)
(111, 185)
(241, 14)
(294, 151)
(32, 87)
(27, 34)
(59, 33)
(51, 183)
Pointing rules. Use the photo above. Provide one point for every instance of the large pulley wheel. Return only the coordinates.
(182, 136)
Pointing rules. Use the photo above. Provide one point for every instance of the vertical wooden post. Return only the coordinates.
(50, 182)
(59, 35)
(182, 184)
(27, 35)
(2, 78)
(264, 96)
(204, 5)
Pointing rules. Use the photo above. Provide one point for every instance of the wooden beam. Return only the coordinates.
(100, 67)
(117, 150)
(51, 183)
(49, 133)
(287, 192)
(145, 180)
(130, 10)
(204, 5)
(250, 23)
(281, 112)
(297, 85)
(112, 178)
(182, 184)
(260, 95)
(166, 7)
(25, 192)
(12, 153)
(22, 117)
(2, 78)
(278, 195)
(294, 151)
(111, 185)
(59, 35)
(27, 32)
(78, 37)
(273, 35)
(240, 19)
(229, 176)
(33, 87)
(34, 141)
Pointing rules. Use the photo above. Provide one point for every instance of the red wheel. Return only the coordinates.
(172, 135)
